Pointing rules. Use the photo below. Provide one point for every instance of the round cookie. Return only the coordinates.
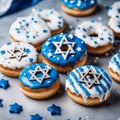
(64, 52)
(98, 38)
(56, 25)
(114, 21)
(88, 85)
(114, 67)
(79, 7)
(39, 81)
(14, 56)
(29, 29)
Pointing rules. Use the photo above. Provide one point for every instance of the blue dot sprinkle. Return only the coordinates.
(27, 24)
(44, 31)
(40, 10)
(35, 21)
(20, 22)
(32, 18)
(95, 42)
(84, 36)
(118, 25)
(2, 52)
(1, 102)
(101, 38)
(84, 29)
(27, 36)
(59, 26)
(119, 10)
(109, 38)
(23, 20)
(8, 43)
(27, 50)
(117, 16)
(59, 22)
(59, 17)
(31, 60)
(34, 37)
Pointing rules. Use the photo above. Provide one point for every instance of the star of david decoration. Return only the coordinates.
(90, 78)
(64, 42)
(17, 53)
(38, 70)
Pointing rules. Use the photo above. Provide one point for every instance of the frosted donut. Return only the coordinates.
(39, 81)
(79, 7)
(32, 30)
(88, 85)
(114, 24)
(52, 18)
(114, 10)
(64, 52)
(99, 38)
(16, 56)
(114, 67)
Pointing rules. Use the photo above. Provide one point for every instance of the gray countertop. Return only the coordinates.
(70, 110)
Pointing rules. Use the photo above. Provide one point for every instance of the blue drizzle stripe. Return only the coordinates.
(80, 85)
(98, 90)
(72, 84)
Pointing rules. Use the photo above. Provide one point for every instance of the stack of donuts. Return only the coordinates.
(39, 50)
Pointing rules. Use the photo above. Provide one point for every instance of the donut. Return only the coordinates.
(14, 56)
(78, 7)
(114, 67)
(114, 21)
(29, 29)
(64, 52)
(88, 85)
(98, 38)
(52, 18)
(39, 81)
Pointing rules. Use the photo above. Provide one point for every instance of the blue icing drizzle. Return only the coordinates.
(33, 84)
(70, 59)
(102, 88)
(82, 4)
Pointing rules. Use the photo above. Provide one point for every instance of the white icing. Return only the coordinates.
(87, 28)
(53, 18)
(29, 29)
(114, 65)
(14, 63)
(114, 24)
(113, 10)
(93, 92)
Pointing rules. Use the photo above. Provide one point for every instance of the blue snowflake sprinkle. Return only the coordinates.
(54, 110)
(45, 31)
(1, 100)
(4, 83)
(15, 108)
(36, 117)
(2, 52)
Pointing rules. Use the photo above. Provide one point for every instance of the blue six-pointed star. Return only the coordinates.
(15, 108)
(36, 117)
(54, 110)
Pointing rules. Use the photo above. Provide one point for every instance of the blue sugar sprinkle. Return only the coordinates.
(40, 10)
(110, 7)
(34, 37)
(27, 32)
(118, 25)
(36, 117)
(59, 17)
(110, 38)
(18, 31)
(51, 12)
(27, 50)
(27, 36)
(20, 22)
(95, 42)
(101, 38)
(59, 26)
(23, 20)
(90, 27)
(32, 18)
(35, 21)
(31, 60)
(27, 24)
(59, 22)
(2, 52)
(1, 100)
(119, 10)
(44, 31)
(84, 36)
(8, 43)
(117, 16)
(84, 29)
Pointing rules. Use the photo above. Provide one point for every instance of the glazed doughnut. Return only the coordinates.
(98, 38)
(52, 18)
(79, 7)
(15, 56)
(32, 30)
(39, 81)
(64, 52)
(114, 21)
(114, 67)
(88, 85)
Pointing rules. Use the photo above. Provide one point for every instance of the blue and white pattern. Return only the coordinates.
(29, 29)
(47, 74)
(87, 28)
(114, 63)
(47, 15)
(52, 49)
(100, 91)
(17, 55)
(79, 4)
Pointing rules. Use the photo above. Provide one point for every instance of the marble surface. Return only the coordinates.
(70, 110)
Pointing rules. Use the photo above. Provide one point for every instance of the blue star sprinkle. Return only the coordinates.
(31, 60)
(2, 52)
(54, 110)
(4, 83)
(36, 117)
(27, 50)
(1, 103)
(15, 108)
(44, 31)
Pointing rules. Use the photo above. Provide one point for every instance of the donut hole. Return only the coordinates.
(64, 47)
(93, 35)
